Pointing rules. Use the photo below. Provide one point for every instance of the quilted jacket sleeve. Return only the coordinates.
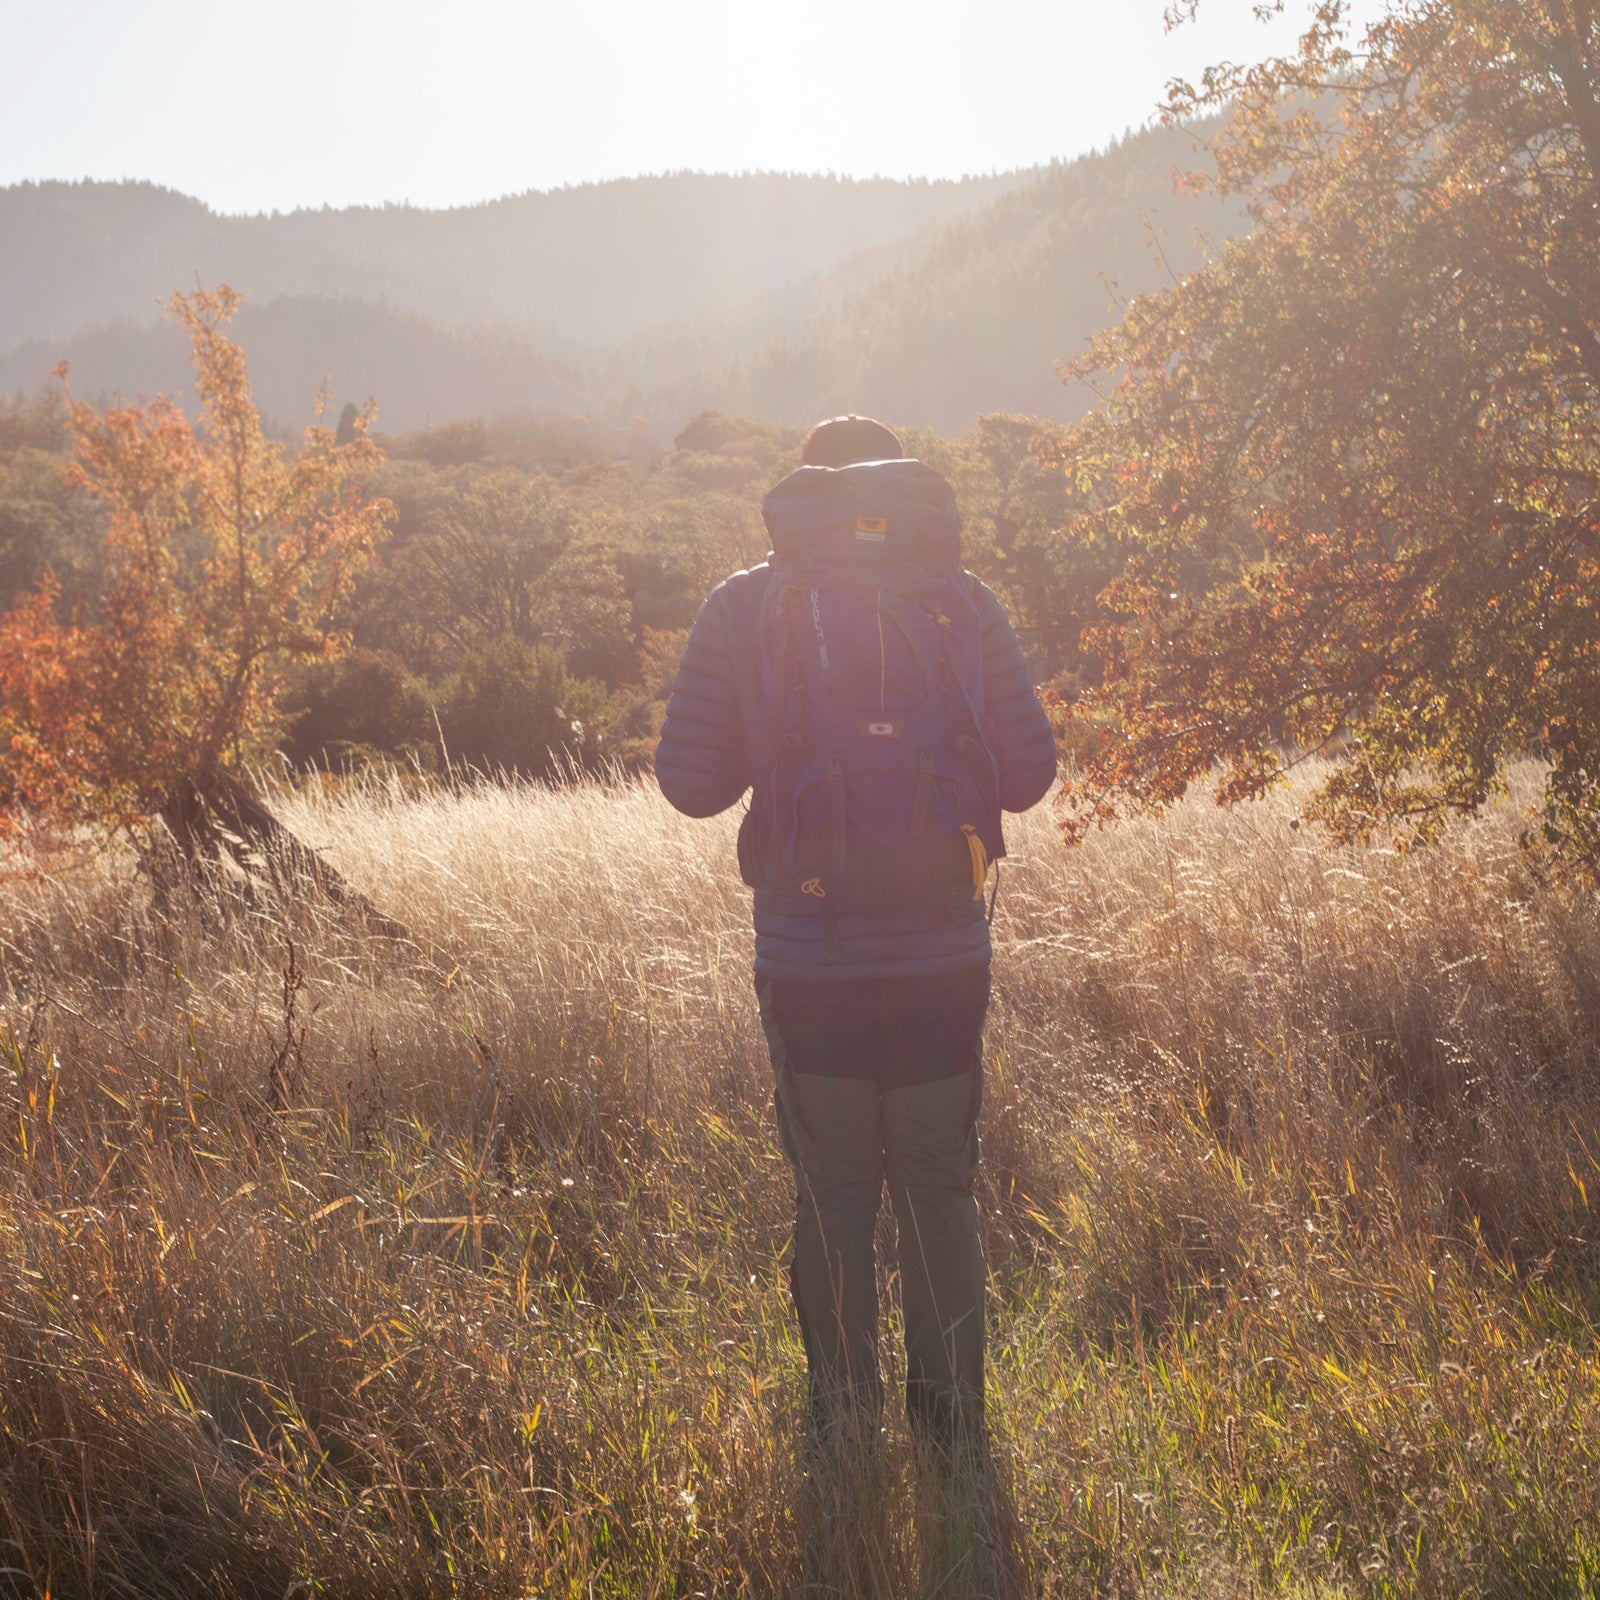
(699, 760)
(1024, 745)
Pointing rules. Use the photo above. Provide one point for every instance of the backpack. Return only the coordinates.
(879, 789)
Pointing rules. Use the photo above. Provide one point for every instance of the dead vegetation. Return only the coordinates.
(334, 1265)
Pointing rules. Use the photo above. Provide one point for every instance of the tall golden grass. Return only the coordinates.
(330, 1265)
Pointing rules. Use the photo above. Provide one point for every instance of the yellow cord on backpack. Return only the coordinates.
(980, 859)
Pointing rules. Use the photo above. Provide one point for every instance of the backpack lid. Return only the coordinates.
(893, 510)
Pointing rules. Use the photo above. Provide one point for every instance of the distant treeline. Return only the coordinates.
(532, 602)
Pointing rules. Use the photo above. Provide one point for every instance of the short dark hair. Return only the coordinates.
(840, 441)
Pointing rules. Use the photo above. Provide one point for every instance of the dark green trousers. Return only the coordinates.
(846, 1139)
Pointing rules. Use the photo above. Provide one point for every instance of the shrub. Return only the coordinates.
(368, 699)
(516, 708)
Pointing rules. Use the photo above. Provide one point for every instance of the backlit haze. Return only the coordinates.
(313, 102)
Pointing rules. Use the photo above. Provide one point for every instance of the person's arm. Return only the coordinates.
(699, 760)
(1024, 745)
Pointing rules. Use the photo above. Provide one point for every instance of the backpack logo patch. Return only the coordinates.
(872, 530)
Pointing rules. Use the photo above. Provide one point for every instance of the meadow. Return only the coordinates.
(337, 1265)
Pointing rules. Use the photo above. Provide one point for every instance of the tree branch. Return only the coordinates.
(1577, 82)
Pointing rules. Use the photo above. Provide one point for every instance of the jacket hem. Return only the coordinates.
(860, 971)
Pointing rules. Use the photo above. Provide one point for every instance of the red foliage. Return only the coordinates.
(226, 557)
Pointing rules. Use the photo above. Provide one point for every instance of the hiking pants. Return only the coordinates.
(882, 1080)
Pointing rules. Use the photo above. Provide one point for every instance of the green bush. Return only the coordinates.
(342, 712)
(516, 708)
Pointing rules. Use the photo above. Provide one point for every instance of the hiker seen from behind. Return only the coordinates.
(872, 698)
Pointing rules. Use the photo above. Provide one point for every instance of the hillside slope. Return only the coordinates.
(591, 263)
(781, 297)
(974, 318)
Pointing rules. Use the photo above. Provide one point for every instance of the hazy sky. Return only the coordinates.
(289, 103)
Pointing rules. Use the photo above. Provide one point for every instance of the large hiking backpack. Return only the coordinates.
(879, 789)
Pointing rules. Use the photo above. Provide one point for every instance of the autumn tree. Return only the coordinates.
(480, 571)
(1359, 452)
(225, 556)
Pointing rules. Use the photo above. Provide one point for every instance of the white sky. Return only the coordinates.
(444, 102)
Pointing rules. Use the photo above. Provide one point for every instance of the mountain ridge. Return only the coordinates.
(579, 259)
(781, 296)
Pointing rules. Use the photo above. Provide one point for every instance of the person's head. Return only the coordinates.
(842, 441)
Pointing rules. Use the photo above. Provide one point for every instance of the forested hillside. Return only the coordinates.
(974, 321)
(586, 263)
(778, 295)
(420, 372)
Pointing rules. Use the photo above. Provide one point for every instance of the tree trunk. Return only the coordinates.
(222, 818)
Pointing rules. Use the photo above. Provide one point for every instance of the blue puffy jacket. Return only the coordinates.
(713, 743)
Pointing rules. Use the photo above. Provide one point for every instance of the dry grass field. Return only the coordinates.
(332, 1266)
